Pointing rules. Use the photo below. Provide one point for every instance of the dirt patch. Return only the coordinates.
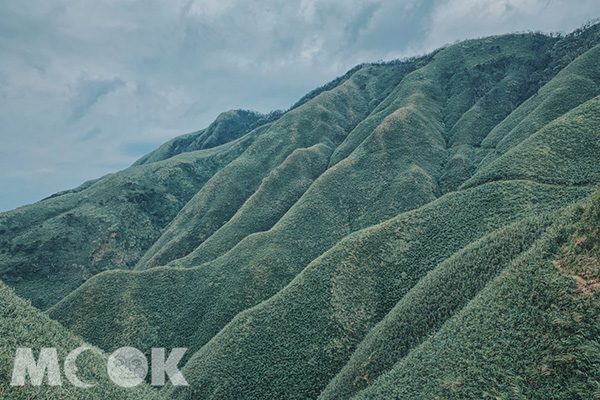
(586, 286)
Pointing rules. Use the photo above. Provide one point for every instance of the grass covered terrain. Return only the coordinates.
(277, 193)
(326, 119)
(50, 248)
(318, 319)
(413, 229)
(553, 154)
(22, 325)
(227, 127)
(531, 333)
(394, 169)
(434, 299)
(198, 300)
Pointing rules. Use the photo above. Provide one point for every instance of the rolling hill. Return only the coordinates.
(423, 228)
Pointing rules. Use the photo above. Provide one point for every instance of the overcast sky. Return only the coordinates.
(87, 87)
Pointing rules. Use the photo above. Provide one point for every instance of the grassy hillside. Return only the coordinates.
(554, 154)
(298, 338)
(326, 119)
(394, 169)
(21, 325)
(432, 301)
(49, 248)
(473, 74)
(531, 333)
(279, 191)
(408, 230)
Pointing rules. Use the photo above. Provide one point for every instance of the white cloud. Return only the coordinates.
(464, 19)
(211, 8)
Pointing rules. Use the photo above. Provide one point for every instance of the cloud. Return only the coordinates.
(89, 135)
(88, 94)
(360, 22)
(210, 8)
(463, 19)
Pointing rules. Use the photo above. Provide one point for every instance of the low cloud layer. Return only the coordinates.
(88, 87)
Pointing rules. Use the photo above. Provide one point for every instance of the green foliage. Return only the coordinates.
(51, 247)
(573, 45)
(21, 325)
(528, 334)
(326, 119)
(580, 255)
(431, 302)
(572, 86)
(554, 154)
(280, 190)
(300, 336)
(326, 87)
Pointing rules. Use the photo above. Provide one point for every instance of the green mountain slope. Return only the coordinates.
(21, 325)
(50, 248)
(277, 193)
(553, 154)
(531, 333)
(326, 119)
(429, 304)
(317, 320)
(393, 170)
(406, 231)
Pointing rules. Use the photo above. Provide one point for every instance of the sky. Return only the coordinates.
(87, 87)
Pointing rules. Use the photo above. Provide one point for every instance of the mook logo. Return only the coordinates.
(126, 367)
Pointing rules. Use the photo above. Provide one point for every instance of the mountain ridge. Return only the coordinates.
(326, 251)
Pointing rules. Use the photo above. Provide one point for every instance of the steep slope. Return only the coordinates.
(326, 119)
(277, 193)
(561, 157)
(531, 333)
(49, 248)
(394, 169)
(21, 325)
(290, 345)
(481, 82)
(572, 86)
(111, 215)
(429, 304)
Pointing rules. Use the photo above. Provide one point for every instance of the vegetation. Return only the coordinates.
(573, 86)
(227, 127)
(50, 248)
(531, 333)
(422, 228)
(299, 337)
(325, 120)
(553, 154)
(22, 325)
(432, 301)
(279, 191)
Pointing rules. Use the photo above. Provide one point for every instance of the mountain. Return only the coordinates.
(423, 228)
(22, 325)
